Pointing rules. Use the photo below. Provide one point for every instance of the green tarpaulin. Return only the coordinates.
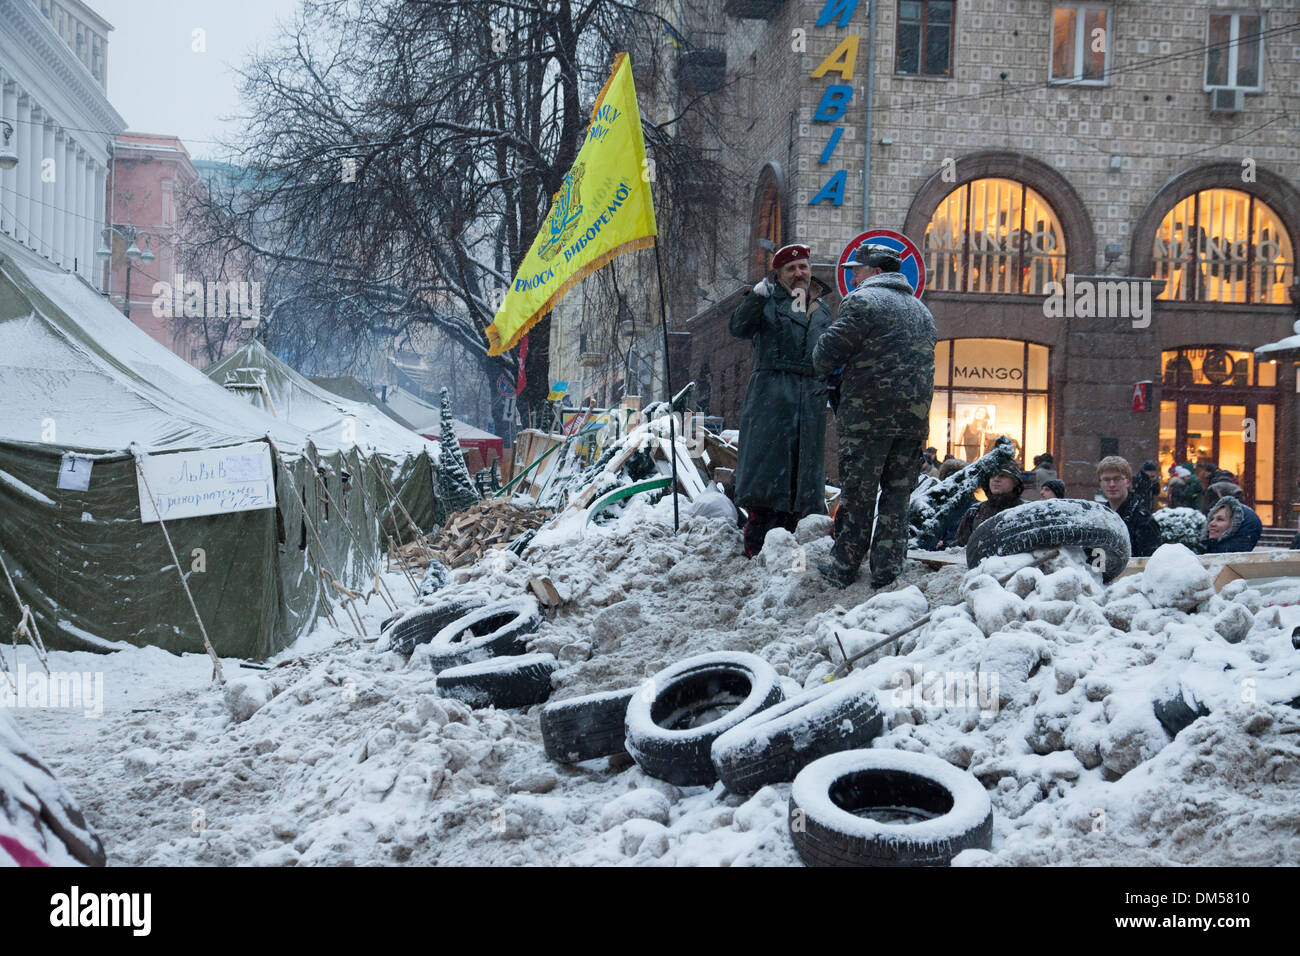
(77, 377)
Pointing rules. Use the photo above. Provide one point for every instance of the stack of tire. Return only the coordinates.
(478, 650)
(724, 717)
(720, 716)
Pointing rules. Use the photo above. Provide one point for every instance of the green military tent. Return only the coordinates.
(332, 421)
(80, 384)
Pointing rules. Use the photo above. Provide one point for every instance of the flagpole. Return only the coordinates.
(668, 381)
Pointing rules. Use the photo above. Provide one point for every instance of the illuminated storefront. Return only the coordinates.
(984, 388)
(1219, 404)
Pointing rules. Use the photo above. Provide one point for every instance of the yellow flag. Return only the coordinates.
(602, 210)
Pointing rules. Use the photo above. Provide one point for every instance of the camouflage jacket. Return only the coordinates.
(884, 338)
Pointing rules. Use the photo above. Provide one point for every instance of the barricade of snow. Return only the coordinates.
(356, 760)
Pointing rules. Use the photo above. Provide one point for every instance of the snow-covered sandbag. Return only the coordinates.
(714, 504)
(1173, 578)
(1132, 735)
(245, 695)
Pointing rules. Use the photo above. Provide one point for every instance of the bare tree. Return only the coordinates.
(404, 154)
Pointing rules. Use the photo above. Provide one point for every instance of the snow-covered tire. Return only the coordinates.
(584, 728)
(408, 630)
(1054, 523)
(776, 743)
(493, 630)
(664, 733)
(502, 682)
(829, 795)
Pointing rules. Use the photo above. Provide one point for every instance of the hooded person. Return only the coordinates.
(1003, 488)
(1044, 469)
(780, 469)
(1231, 527)
(1146, 484)
(1222, 484)
(1184, 487)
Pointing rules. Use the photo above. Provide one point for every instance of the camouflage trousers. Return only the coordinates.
(889, 465)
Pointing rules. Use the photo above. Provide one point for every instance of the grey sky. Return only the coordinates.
(160, 85)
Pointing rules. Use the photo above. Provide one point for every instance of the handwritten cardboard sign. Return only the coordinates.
(211, 481)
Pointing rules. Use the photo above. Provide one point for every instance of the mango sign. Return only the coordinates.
(210, 481)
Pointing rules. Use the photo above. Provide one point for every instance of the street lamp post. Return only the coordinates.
(128, 235)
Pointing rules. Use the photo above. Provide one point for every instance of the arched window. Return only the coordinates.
(994, 236)
(768, 226)
(1223, 245)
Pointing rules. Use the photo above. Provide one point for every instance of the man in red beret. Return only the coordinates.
(781, 472)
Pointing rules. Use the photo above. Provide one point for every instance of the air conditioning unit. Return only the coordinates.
(1227, 101)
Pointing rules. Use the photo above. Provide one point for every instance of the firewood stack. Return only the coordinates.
(492, 523)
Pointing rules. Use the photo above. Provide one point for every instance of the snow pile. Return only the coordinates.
(1043, 687)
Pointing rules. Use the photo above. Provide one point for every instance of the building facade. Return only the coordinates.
(150, 177)
(1105, 197)
(56, 119)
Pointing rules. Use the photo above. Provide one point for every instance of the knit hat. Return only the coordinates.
(1056, 485)
(1012, 470)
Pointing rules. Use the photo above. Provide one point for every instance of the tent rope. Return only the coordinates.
(322, 560)
(374, 566)
(217, 675)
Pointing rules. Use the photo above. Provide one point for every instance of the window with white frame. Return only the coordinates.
(1080, 43)
(1233, 51)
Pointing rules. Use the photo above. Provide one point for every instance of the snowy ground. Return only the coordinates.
(354, 760)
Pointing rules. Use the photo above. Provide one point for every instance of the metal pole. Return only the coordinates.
(866, 132)
(668, 381)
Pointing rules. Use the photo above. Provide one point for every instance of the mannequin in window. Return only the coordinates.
(973, 441)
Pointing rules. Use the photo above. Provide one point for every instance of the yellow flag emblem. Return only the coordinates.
(601, 210)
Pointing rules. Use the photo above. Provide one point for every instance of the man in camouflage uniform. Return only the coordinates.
(884, 338)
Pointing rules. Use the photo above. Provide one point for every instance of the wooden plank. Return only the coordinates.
(1250, 565)
(584, 499)
(937, 559)
(545, 590)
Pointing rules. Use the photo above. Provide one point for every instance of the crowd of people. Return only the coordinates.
(872, 360)
(1231, 525)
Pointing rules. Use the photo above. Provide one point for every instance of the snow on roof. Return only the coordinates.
(333, 422)
(427, 418)
(67, 356)
(1281, 345)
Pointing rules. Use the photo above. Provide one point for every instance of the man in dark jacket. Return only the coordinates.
(1115, 476)
(884, 338)
(1003, 489)
(780, 471)
(1146, 484)
(1231, 527)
